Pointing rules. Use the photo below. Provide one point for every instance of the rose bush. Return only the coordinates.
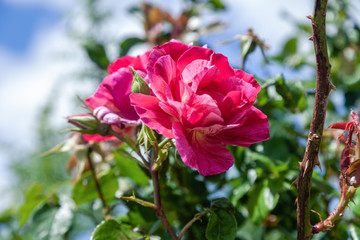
(199, 100)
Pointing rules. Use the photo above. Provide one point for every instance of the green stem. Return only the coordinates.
(189, 224)
(139, 201)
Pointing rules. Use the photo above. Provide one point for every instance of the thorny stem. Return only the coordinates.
(139, 201)
(188, 225)
(345, 197)
(97, 183)
(323, 88)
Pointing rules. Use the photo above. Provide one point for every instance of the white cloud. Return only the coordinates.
(267, 17)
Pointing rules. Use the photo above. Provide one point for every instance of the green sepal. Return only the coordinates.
(150, 135)
(162, 156)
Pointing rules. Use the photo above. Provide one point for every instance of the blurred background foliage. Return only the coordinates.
(56, 196)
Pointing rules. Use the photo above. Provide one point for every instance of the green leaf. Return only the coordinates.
(97, 54)
(33, 199)
(249, 231)
(112, 230)
(290, 46)
(355, 209)
(51, 222)
(262, 97)
(129, 168)
(85, 189)
(247, 45)
(262, 200)
(129, 43)
(292, 93)
(217, 5)
(222, 224)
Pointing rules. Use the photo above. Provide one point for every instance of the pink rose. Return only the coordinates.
(199, 100)
(111, 103)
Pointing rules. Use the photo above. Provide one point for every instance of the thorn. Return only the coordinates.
(332, 86)
(296, 200)
(309, 17)
(296, 182)
(317, 163)
(299, 163)
(352, 200)
(321, 220)
(306, 167)
(311, 38)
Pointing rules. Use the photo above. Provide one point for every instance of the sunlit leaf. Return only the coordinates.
(129, 168)
(33, 199)
(51, 222)
(112, 230)
(262, 200)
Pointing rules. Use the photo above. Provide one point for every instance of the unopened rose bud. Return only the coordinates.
(139, 85)
(106, 115)
(83, 121)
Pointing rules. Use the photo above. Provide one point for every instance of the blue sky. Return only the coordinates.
(19, 23)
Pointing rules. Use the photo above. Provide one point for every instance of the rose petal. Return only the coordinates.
(113, 93)
(205, 154)
(97, 138)
(151, 114)
(138, 63)
(192, 54)
(173, 48)
(252, 128)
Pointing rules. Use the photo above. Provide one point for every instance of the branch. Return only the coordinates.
(139, 201)
(159, 211)
(345, 197)
(323, 88)
(97, 183)
(188, 225)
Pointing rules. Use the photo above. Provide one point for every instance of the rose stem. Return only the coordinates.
(323, 88)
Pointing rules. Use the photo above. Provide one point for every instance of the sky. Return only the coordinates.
(36, 51)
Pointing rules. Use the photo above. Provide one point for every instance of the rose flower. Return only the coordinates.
(199, 100)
